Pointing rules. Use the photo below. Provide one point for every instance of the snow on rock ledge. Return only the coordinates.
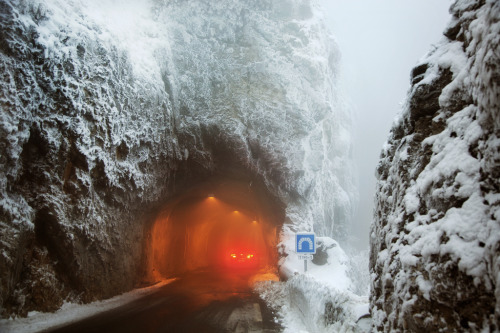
(109, 110)
(435, 243)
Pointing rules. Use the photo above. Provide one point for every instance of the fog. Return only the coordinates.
(214, 225)
(380, 42)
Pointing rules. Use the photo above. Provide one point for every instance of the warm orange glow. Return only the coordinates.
(267, 276)
(196, 232)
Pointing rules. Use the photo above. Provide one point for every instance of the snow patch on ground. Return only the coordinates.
(71, 312)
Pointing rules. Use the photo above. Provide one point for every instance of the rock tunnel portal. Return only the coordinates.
(219, 225)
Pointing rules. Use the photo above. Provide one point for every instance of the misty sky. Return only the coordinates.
(380, 41)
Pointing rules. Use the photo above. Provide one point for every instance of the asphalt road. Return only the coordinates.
(201, 302)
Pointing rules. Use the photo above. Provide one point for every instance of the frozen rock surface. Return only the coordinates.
(435, 243)
(109, 109)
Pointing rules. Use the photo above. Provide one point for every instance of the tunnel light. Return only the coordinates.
(233, 255)
(211, 195)
(254, 222)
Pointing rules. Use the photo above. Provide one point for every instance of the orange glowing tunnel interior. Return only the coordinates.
(224, 225)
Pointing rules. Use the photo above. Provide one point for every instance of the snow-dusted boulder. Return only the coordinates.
(108, 110)
(435, 243)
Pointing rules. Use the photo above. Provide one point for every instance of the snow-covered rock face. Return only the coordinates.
(435, 243)
(111, 109)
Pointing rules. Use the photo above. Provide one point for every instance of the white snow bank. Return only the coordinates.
(319, 300)
(71, 312)
(333, 273)
(303, 304)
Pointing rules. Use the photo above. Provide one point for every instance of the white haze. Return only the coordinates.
(380, 42)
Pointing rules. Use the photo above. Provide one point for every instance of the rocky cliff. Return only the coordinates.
(110, 111)
(435, 242)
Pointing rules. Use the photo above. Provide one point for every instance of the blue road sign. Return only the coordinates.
(305, 243)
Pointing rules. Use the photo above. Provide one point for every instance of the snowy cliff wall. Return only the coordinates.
(109, 110)
(435, 243)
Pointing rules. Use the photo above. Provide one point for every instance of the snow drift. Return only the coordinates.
(326, 298)
(111, 109)
(435, 243)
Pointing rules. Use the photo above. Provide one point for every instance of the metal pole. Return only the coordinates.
(305, 265)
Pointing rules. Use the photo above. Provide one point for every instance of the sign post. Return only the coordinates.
(305, 246)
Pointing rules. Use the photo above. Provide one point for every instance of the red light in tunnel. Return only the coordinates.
(242, 259)
(228, 232)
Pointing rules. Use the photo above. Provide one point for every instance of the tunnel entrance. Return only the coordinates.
(220, 225)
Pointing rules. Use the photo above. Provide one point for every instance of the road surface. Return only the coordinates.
(201, 302)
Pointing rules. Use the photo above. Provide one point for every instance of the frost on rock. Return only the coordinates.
(268, 87)
(109, 110)
(435, 242)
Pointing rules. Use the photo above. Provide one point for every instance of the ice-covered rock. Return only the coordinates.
(111, 109)
(435, 243)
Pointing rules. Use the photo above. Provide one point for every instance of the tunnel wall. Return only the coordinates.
(102, 124)
(200, 228)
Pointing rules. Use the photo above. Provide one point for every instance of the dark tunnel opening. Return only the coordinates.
(223, 225)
